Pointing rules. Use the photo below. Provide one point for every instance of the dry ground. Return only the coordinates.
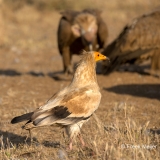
(127, 123)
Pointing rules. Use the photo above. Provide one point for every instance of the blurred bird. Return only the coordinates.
(80, 30)
(74, 104)
(139, 39)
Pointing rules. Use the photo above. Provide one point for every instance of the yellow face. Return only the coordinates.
(98, 56)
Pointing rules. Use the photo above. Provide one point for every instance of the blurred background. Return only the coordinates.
(28, 28)
(29, 53)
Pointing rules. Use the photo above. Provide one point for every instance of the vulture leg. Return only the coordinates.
(67, 61)
(70, 144)
(81, 140)
(30, 136)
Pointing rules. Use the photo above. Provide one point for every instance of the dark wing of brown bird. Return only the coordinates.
(138, 38)
(65, 22)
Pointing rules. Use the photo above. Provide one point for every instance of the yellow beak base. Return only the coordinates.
(98, 56)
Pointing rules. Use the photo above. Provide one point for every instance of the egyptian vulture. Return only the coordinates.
(74, 104)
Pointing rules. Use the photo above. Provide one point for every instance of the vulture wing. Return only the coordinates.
(140, 37)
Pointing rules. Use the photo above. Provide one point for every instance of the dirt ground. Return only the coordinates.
(30, 73)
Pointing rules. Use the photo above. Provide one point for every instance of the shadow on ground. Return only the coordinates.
(7, 139)
(154, 131)
(142, 69)
(9, 72)
(51, 144)
(57, 76)
(139, 90)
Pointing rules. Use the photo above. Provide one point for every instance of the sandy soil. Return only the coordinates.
(30, 67)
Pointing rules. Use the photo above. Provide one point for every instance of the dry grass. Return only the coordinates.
(125, 139)
(126, 126)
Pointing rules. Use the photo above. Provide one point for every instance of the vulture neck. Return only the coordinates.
(85, 73)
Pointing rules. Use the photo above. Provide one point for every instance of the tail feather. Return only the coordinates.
(21, 118)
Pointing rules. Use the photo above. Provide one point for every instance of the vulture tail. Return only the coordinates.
(21, 118)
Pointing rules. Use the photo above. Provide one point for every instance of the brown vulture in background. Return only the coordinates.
(80, 30)
(139, 39)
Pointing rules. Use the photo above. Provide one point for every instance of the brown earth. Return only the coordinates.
(30, 73)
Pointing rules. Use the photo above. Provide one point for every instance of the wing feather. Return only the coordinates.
(75, 106)
(136, 39)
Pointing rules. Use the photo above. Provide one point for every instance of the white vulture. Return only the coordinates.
(74, 104)
(139, 39)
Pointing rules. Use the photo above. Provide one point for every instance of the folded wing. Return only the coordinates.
(75, 106)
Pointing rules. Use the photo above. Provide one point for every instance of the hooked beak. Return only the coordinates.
(98, 56)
